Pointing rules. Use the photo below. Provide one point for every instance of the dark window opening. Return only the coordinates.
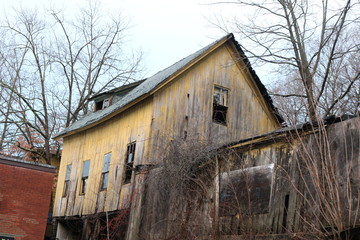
(85, 176)
(219, 114)
(67, 181)
(99, 105)
(220, 102)
(130, 153)
(286, 207)
(105, 172)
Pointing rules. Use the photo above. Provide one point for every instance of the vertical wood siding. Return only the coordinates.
(92, 144)
(183, 108)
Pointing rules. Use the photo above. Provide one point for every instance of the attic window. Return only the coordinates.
(98, 106)
(102, 104)
(220, 105)
(106, 103)
(130, 154)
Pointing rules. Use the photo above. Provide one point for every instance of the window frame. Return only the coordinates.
(104, 181)
(106, 102)
(66, 188)
(84, 177)
(220, 106)
(129, 165)
(103, 103)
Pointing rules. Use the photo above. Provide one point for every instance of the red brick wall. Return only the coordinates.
(24, 201)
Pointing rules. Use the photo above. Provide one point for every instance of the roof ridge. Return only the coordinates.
(152, 83)
(142, 89)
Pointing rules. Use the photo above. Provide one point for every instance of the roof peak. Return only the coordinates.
(155, 82)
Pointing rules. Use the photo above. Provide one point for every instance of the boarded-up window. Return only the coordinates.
(85, 176)
(105, 172)
(129, 164)
(67, 181)
(220, 105)
(246, 191)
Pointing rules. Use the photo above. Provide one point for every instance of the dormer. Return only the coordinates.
(106, 99)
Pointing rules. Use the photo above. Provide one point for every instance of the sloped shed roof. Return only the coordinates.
(152, 83)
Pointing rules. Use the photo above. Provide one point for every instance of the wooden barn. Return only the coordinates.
(299, 182)
(211, 97)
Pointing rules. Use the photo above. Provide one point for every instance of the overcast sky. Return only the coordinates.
(165, 30)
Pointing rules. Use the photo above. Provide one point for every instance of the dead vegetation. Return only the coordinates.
(180, 192)
(304, 184)
(325, 179)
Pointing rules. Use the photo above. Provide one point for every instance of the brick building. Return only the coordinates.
(25, 193)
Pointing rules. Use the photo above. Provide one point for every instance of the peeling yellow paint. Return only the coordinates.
(181, 108)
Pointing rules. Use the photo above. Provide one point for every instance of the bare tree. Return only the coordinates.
(51, 67)
(90, 57)
(313, 41)
(290, 100)
(26, 78)
(9, 74)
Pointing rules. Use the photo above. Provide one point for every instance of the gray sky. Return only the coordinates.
(169, 30)
(165, 30)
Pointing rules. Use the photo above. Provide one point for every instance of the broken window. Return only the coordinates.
(220, 105)
(130, 153)
(105, 172)
(67, 181)
(85, 176)
(102, 104)
(106, 103)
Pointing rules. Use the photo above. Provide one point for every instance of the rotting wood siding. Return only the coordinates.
(92, 144)
(255, 166)
(268, 186)
(333, 153)
(182, 108)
